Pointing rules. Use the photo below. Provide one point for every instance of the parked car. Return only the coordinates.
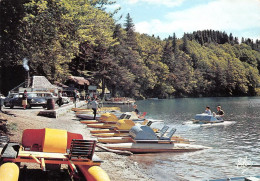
(2, 98)
(33, 100)
(65, 99)
(8, 98)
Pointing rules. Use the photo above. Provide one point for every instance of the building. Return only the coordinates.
(36, 84)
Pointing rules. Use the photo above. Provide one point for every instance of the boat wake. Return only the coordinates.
(224, 123)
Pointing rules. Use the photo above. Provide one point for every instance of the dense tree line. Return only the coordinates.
(61, 38)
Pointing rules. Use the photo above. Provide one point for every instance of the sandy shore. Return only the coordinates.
(118, 167)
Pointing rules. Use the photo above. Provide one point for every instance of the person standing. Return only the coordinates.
(59, 98)
(94, 107)
(88, 100)
(78, 95)
(24, 99)
(75, 97)
(1, 102)
(136, 110)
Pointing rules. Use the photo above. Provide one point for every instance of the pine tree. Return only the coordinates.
(129, 25)
(185, 44)
(174, 43)
(231, 39)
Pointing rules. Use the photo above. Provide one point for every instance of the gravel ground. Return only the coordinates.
(118, 167)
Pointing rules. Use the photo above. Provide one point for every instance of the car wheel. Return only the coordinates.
(44, 106)
(11, 106)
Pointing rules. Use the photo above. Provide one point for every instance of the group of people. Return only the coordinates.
(219, 112)
(75, 97)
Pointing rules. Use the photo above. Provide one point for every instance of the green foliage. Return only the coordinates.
(63, 37)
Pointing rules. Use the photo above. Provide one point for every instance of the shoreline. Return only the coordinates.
(118, 167)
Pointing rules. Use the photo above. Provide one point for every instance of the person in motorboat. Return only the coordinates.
(220, 112)
(208, 111)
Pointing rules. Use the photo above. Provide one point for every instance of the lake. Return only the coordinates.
(234, 144)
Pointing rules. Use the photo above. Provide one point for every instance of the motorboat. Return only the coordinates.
(208, 120)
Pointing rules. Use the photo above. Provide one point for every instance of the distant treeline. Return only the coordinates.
(62, 38)
(212, 36)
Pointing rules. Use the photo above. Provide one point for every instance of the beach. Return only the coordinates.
(118, 167)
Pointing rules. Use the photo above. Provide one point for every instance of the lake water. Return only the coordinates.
(231, 144)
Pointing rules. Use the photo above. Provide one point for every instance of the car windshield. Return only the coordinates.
(32, 95)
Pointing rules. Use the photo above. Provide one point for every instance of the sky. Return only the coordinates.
(164, 17)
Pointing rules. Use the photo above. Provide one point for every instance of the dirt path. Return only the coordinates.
(118, 167)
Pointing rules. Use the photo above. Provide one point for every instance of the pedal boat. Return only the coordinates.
(88, 116)
(112, 117)
(129, 139)
(101, 109)
(52, 147)
(121, 128)
(105, 118)
(146, 141)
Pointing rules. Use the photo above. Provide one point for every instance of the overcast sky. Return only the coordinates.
(165, 17)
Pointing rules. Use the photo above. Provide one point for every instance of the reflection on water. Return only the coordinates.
(229, 143)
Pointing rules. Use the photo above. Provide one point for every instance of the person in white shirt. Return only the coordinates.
(208, 111)
(60, 98)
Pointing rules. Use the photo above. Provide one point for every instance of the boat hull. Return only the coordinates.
(101, 131)
(90, 122)
(155, 147)
(101, 109)
(110, 130)
(111, 135)
(101, 125)
(223, 123)
(115, 140)
(87, 116)
(128, 139)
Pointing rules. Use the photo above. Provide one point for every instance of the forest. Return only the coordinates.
(81, 38)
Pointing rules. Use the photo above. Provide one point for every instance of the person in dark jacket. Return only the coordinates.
(136, 110)
(75, 96)
(1, 102)
(24, 99)
(220, 112)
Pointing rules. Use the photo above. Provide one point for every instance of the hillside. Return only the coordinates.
(70, 38)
